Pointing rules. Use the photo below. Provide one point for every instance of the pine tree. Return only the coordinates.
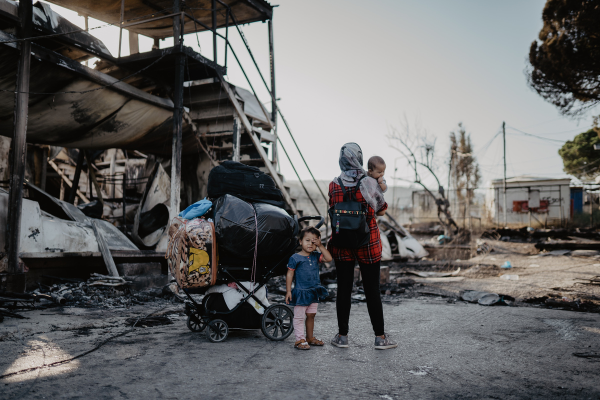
(565, 63)
(579, 157)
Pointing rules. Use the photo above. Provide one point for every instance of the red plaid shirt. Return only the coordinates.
(369, 253)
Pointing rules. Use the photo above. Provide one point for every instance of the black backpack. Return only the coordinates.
(245, 182)
(349, 221)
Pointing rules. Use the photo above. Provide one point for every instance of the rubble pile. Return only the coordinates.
(548, 239)
(99, 291)
(560, 302)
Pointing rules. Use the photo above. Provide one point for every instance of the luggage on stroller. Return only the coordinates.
(192, 253)
(243, 181)
(276, 320)
(236, 225)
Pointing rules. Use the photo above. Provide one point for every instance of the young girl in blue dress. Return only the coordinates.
(308, 290)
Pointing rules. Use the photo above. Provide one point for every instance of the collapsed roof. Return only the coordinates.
(244, 11)
(75, 106)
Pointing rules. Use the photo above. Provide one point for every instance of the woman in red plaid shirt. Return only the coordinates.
(367, 256)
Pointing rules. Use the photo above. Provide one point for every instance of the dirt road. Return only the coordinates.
(447, 351)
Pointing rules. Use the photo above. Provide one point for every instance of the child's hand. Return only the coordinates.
(380, 179)
(288, 297)
(317, 242)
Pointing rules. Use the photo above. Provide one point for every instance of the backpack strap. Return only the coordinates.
(343, 190)
(352, 194)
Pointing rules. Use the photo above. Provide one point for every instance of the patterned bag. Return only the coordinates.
(192, 252)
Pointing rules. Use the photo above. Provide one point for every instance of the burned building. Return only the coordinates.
(91, 156)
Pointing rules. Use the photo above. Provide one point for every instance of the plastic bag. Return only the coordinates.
(235, 227)
(197, 209)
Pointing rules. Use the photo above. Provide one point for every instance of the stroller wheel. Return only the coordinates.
(195, 323)
(217, 330)
(277, 322)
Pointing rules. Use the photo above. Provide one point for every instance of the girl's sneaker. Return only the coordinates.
(384, 343)
(339, 340)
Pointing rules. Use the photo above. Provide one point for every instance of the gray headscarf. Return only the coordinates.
(351, 161)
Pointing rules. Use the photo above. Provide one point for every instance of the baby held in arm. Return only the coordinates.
(376, 170)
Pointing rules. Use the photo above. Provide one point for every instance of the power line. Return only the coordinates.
(536, 136)
(525, 137)
(560, 133)
(488, 144)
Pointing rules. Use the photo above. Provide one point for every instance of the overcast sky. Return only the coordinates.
(347, 70)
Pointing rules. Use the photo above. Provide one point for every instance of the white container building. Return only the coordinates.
(530, 201)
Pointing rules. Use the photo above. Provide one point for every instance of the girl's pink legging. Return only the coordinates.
(299, 315)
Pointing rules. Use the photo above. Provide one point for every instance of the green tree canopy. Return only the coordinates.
(565, 63)
(579, 157)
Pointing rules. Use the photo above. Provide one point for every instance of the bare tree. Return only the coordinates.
(463, 168)
(408, 141)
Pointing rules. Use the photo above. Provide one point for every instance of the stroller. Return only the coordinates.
(276, 321)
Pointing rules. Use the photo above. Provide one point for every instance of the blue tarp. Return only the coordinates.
(197, 209)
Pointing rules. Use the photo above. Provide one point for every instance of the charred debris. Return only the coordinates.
(579, 241)
(93, 143)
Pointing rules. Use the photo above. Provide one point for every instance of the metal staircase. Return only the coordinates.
(235, 126)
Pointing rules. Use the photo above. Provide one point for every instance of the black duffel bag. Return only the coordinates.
(245, 182)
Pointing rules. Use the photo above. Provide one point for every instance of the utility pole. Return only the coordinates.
(176, 148)
(591, 209)
(19, 145)
(504, 140)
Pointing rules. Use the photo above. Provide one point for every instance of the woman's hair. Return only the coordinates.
(309, 229)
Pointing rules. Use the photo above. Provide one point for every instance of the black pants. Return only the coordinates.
(345, 281)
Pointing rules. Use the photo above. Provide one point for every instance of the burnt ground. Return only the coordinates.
(448, 348)
(446, 351)
(565, 278)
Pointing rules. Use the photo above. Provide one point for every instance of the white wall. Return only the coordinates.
(558, 196)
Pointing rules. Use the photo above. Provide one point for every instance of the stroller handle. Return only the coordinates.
(315, 218)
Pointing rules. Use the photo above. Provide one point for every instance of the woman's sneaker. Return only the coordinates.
(339, 340)
(384, 343)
